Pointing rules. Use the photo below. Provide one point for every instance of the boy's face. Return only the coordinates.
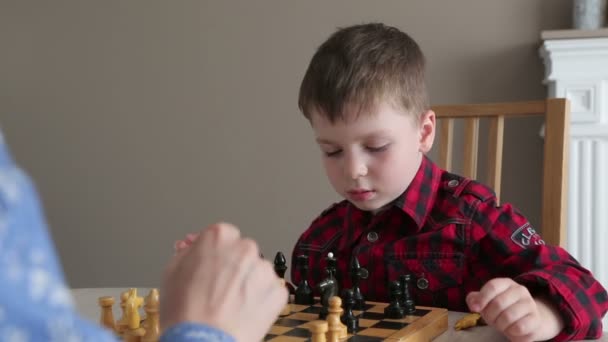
(371, 159)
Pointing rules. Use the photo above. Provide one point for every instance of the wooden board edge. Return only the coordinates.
(424, 329)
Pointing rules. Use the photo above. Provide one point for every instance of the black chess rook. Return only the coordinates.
(303, 292)
(348, 318)
(409, 306)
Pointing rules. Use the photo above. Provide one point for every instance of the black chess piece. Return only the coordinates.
(348, 318)
(406, 295)
(331, 265)
(331, 269)
(327, 288)
(394, 309)
(280, 266)
(303, 293)
(355, 276)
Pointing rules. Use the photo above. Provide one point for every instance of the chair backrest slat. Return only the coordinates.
(471, 147)
(555, 172)
(447, 144)
(495, 144)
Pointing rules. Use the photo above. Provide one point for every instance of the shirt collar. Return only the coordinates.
(418, 199)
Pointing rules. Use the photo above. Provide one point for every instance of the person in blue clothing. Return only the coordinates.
(210, 292)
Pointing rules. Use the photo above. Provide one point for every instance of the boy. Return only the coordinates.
(365, 97)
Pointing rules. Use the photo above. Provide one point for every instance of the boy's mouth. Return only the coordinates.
(360, 194)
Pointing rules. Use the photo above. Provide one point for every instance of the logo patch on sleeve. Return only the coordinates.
(526, 236)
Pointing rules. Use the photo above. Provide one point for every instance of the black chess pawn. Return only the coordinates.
(406, 295)
(280, 266)
(348, 318)
(303, 293)
(394, 309)
(355, 276)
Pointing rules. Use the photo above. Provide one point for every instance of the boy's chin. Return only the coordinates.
(373, 206)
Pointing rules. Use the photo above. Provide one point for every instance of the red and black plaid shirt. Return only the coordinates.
(449, 234)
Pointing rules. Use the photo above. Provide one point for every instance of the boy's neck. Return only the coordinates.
(379, 210)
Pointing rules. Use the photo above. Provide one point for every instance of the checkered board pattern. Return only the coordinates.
(424, 325)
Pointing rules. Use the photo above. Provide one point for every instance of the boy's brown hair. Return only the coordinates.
(361, 65)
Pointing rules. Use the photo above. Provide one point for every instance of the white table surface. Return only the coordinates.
(86, 303)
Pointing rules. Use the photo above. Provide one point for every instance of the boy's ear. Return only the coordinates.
(427, 131)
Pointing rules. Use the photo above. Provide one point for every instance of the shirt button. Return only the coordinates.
(372, 236)
(422, 283)
(364, 273)
(453, 183)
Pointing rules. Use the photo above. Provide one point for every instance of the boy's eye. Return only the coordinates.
(332, 153)
(377, 148)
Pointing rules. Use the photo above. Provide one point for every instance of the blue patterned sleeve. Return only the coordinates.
(190, 332)
(35, 302)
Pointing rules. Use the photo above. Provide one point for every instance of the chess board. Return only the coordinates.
(424, 325)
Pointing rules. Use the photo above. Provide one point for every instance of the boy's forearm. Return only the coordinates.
(553, 321)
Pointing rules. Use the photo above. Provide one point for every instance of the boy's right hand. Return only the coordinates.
(220, 280)
(510, 308)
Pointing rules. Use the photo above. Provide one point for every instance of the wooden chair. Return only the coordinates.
(556, 113)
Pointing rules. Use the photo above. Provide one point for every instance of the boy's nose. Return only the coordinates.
(356, 169)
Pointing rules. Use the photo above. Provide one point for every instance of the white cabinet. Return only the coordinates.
(576, 67)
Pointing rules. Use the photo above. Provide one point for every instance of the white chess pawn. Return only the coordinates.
(318, 330)
(333, 318)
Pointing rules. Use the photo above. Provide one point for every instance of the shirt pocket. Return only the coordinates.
(323, 243)
(317, 251)
(436, 278)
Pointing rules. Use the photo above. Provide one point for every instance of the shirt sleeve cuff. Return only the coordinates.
(538, 283)
(195, 332)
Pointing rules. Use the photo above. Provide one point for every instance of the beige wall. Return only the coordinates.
(144, 120)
